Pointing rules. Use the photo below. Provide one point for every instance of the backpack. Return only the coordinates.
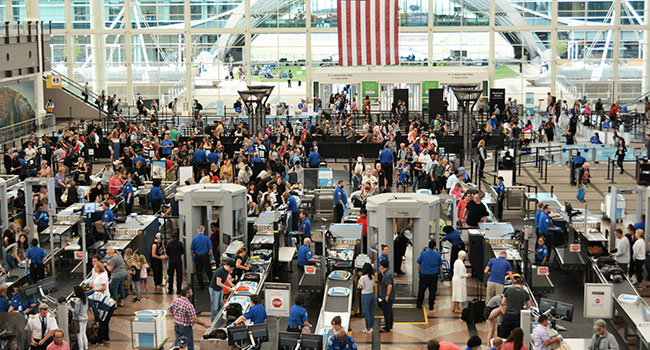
(170, 105)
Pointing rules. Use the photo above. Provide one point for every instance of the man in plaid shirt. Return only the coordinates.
(185, 317)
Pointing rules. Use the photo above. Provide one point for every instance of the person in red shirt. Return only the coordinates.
(363, 220)
(435, 344)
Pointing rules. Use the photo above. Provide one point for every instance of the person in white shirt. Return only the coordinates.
(99, 279)
(451, 181)
(541, 340)
(638, 254)
(622, 251)
(41, 327)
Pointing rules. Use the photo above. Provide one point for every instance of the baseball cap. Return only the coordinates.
(599, 324)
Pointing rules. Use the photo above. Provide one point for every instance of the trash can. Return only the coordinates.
(148, 329)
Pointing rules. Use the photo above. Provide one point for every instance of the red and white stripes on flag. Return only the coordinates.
(368, 32)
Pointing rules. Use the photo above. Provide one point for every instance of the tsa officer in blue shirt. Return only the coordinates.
(201, 249)
(341, 341)
(501, 193)
(386, 158)
(256, 313)
(127, 193)
(298, 315)
(27, 307)
(340, 201)
(429, 269)
(538, 215)
(546, 227)
(305, 256)
(108, 216)
(453, 236)
(314, 158)
(35, 256)
(305, 227)
(41, 218)
(155, 196)
(292, 206)
(541, 252)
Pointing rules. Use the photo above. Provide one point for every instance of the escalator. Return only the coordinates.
(69, 101)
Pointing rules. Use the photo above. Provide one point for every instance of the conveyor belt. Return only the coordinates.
(338, 303)
(570, 260)
(541, 284)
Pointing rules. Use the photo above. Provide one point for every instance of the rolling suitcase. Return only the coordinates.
(473, 313)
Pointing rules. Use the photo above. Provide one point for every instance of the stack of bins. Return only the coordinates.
(149, 329)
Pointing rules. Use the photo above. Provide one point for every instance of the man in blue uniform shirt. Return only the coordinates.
(213, 157)
(35, 256)
(108, 216)
(538, 214)
(501, 193)
(340, 201)
(453, 236)
(641, 224)
(201, 249)
(541, 252)
(27, 307)
(199, 156)
(386, 158)
(292, 206)
(498, 268)
(298, 315)
(383, 255)
(305, 256)
(256, 313)
(305, 227)
(41, 218)
(429, 269)
(314, 159)
(155, 196)
(578, 160)
(546, 227)
(341, 341)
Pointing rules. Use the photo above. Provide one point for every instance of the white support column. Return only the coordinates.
(31, 15)
(554, 42)
(645, 82)
(247, 46)
(308, 83)
(187, 52)
(9, 10)
(430, 35)
(130, 95)
(616, 85)
(491, 58)
(98, 42)
(68, 38)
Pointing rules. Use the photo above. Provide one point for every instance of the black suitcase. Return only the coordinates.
(475, 309)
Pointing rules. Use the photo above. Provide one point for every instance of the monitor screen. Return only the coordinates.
(288, 340)
(546, 304)
(311, 342)
(564, 310)
(226, 239)
(237, 335)
(260, 332)
(89, 208)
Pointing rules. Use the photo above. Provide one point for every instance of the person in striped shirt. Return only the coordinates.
(185, 317)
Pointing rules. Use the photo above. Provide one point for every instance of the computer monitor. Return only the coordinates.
(260, 332)
(89, 208)
(311, 342)
(288, 340)
(546, 304)
(238, 336)
(29, 292)
(564, 310)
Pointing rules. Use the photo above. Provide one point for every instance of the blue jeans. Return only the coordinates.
(368, 307)
(117, 284)
(186, 331)
(11, 261)
(216, 302)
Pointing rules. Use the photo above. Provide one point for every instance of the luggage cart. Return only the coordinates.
(149, 329)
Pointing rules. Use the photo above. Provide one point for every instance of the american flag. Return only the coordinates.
(368, 32)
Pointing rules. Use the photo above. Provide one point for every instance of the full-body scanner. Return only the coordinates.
(421, 208)
(195, 207)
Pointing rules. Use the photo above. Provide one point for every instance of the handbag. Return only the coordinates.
(64, 196)
(73, 328)
(581, 194)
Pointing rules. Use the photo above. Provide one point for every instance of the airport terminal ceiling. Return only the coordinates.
(144, 43)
